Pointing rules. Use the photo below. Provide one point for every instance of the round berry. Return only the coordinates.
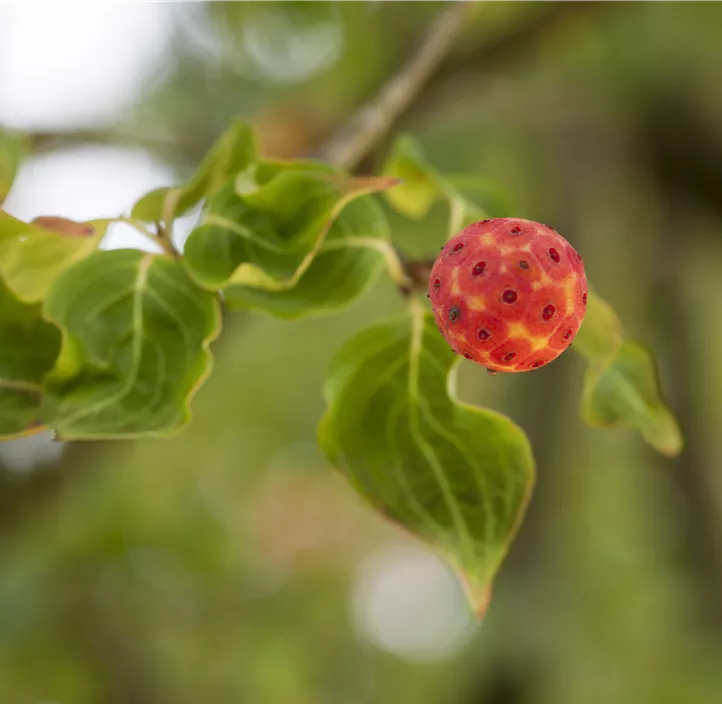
(518, 285)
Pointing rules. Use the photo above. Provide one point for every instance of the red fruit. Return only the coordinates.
(509, 294)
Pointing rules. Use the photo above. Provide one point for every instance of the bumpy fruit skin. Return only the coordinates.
(509, 294)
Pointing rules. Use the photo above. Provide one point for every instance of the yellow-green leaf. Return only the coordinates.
(419, 187)
(600, 336)
(621, 385)
(627, 392)
(33, 254)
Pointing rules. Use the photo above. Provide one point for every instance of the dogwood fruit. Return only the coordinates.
(509, 294)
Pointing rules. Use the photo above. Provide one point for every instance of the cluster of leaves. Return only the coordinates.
(113, 344)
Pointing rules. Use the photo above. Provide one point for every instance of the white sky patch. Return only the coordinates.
(70, 63)
(408, 602)
(25, 454)
(94, 182)
(89, 183)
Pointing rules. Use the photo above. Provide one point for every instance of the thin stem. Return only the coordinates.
(138, 226)
(376, 118)
(394, 265)
(456, 216)
(160, 237)
(165, 230)
(163, 238)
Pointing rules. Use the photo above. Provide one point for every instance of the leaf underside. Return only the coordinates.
(33, 254)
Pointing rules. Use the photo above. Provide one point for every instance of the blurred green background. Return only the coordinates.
(232, 564)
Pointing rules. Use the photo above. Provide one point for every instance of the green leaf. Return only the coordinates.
(268, 237)
(136, 333)
(12, 151)
(621, 385)
(234, 152)
(347, 264)
(600, 336)
(421, 185)
(627, 392)
(456, 476)
(28, 352)
(33, 254)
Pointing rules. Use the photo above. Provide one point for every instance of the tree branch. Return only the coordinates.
(418, 83)
(51, 140)
(518, 44)
(375, 119)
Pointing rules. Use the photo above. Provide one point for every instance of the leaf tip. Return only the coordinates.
(478, 595)
(670, 443)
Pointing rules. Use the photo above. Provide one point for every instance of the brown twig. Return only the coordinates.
(375, 119)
